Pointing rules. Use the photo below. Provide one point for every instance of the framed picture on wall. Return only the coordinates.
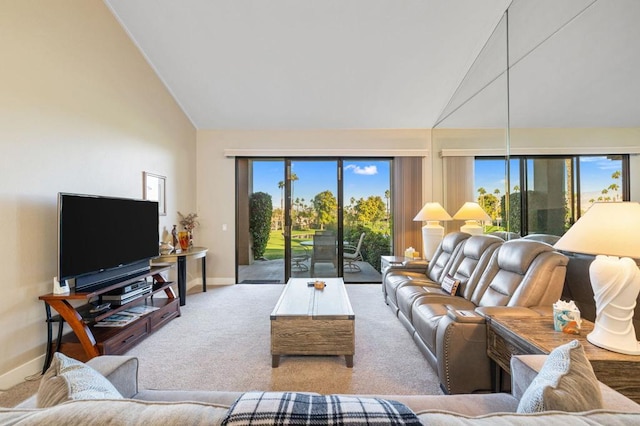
(154, 189)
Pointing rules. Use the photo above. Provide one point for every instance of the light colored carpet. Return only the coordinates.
(222, 342)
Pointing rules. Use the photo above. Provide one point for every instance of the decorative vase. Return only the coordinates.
(183, 237)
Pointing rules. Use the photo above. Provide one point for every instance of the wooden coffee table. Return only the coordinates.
(308, 321)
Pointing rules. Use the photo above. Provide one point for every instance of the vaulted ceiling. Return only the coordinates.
(369, 64)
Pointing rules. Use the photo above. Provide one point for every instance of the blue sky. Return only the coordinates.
(361, 178)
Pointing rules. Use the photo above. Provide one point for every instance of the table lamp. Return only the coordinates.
(472, 214)
(610, 231)
(432, 232)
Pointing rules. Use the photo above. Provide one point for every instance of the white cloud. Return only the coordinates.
(367, 170)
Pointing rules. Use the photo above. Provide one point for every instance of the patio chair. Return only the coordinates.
(299, 255)
(324, 250)
(351, 254)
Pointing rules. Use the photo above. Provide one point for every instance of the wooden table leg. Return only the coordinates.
(81, 330)
(497, 376)
(349, 360)
(275, 361)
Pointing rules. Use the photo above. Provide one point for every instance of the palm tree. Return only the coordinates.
(281, 187)
(293, 178)
(482, 191)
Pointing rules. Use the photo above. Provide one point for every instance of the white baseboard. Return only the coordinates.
(18, 374)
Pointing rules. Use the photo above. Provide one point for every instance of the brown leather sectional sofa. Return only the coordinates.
(496, 277)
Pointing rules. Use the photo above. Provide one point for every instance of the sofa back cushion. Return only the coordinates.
(445, 255)
(119, 412)
(522, 273)
(472, 261)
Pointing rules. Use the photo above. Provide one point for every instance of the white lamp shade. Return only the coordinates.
(471, 211)
(472, 214)
(432, 212)
(606, 228)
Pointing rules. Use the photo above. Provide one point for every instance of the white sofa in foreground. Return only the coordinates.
(119, 401)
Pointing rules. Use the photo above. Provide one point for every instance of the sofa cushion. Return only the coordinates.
(517, 255)
(294, 408)
(556, 418)
(566, 382)
(68, 379)
(118, 412)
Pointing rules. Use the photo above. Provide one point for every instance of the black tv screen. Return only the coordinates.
(99, 238)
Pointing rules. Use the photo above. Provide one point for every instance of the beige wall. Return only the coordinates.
(80, 111)
(216, 182)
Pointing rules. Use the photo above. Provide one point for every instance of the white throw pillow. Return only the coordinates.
(69, 379)
(566, 382)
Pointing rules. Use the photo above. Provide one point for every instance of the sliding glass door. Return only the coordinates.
(329, 217)
(313, 218)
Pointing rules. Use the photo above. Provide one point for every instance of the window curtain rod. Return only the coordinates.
(319, 152)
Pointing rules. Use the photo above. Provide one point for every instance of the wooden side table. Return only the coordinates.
(508, 336)
(181, 259)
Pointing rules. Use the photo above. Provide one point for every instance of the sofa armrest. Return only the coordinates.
(524, 368)
(465, 316)
(122, 371)
(507, 311)
(461, 352)
(411, 265)
(420, 264)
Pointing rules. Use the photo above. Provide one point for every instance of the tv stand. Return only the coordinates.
(88, 341)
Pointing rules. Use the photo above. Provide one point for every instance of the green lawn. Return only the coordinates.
(275, 246)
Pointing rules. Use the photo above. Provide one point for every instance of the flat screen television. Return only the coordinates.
(103, 239)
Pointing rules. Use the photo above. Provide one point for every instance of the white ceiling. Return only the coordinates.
(310, 64)
(375, 64)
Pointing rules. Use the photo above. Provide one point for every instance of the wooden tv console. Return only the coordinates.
(88, 341)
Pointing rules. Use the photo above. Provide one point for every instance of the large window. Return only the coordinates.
(547, 194)
(323, 217)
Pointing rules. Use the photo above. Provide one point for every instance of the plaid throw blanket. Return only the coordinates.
(291, 408)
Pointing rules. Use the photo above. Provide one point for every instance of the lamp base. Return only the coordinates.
(472, 227)
(432, 234)
(616, 284)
